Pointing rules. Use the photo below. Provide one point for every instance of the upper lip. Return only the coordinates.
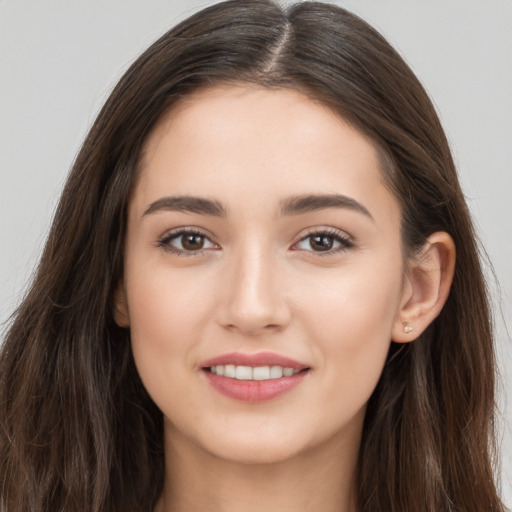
(257, 359)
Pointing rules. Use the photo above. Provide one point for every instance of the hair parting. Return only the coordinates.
(79, 432)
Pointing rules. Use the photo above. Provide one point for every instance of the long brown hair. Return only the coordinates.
(77, 429)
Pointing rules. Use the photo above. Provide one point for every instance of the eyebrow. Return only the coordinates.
(308, 203)
(187, 204)
(296, 205)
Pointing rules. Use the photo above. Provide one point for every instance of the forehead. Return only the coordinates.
(230, 113)
(272, 142)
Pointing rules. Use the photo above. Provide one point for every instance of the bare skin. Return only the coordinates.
(312, 482)
(223, 255)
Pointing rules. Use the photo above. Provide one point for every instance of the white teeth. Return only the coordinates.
(253, 373)
(261, 373)
(229, 370)
(287, 372)
(276, 372)
(243, 373)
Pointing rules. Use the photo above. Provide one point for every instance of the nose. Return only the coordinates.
(253, 296)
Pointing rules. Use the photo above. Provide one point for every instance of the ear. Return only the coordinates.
(426, 287)
(120, 306)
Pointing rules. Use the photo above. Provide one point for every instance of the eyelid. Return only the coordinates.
(164, 240)
(345, 240)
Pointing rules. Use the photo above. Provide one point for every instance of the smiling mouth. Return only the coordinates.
(254, 384)
(254, 378)
(259, 373)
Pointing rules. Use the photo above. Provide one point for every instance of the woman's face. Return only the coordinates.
(261, 242)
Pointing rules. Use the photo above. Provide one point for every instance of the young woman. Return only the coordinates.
(261, 289)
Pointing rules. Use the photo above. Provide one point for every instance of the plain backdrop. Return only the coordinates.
(60, 58)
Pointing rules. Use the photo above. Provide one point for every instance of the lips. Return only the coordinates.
(258, 359)
(253, 378)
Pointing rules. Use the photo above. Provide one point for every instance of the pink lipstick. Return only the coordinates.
(253, 378)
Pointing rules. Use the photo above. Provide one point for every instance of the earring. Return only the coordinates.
(407, 327)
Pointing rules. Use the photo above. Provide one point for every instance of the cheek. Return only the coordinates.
(164, 302)
(350, 301)
(351, 318)
(166, 313)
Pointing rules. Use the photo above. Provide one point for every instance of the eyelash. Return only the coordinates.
(165, 242)
(345, 242)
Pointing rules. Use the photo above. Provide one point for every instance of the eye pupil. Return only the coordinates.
(192, 242)
(321, 242)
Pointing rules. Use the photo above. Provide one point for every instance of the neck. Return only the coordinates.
(312, 481)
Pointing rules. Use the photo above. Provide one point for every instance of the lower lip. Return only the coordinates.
(254, 391)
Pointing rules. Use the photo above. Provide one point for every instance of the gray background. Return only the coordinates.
(59, 60)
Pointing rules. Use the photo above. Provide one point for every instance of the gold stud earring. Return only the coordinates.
(407, 327)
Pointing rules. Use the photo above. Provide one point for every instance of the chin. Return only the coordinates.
(255, 453)
(252, 445)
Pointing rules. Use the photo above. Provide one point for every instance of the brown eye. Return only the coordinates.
(321, 242)
(186, 242)
(192, 241)
(324, 242)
